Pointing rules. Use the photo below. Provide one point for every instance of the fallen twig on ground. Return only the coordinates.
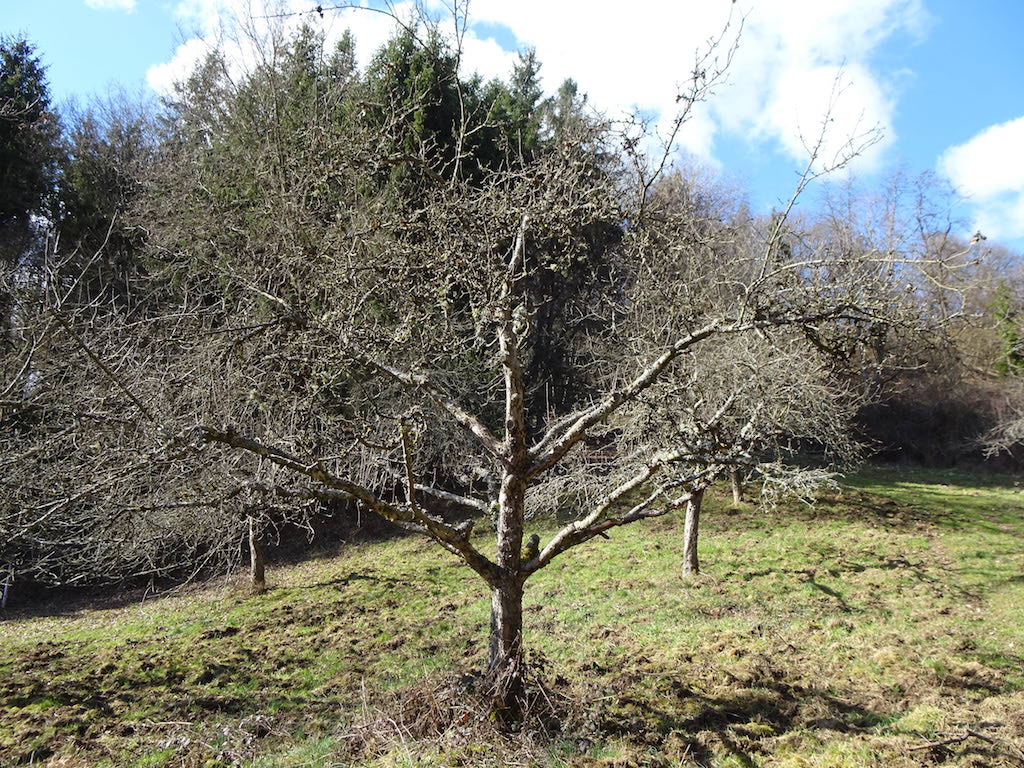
(1006, 747)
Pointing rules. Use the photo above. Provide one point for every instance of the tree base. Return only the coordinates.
(506, 688)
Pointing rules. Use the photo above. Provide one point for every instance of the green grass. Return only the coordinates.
(889, 615)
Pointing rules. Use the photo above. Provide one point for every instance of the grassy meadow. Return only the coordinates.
(882, 627)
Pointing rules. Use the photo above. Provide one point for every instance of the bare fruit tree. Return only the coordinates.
(333, 308)
(761, 405)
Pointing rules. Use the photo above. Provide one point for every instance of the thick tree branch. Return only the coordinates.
(454, 498)
(561, 437)
(557, 442)
(454, 539)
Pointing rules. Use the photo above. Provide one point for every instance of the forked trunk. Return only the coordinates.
(691, 566)
(737, 485)
(257, 558)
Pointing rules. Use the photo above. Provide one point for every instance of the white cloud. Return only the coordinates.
(241, 28)
(111, 5)
(162, 77)
(989, 170)
(787, 68)
(637, 55)
(843, 108)
(780, 80)
(622, 57)
(487, 57)
(990, 163)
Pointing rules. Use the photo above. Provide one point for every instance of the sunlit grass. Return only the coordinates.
(828, 636)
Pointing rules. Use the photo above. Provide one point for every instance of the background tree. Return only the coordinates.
(1007, 311)
(29, 154)
(928, 398)
(1006, 433)
(29, 133)
(108, 148)
(770, 408)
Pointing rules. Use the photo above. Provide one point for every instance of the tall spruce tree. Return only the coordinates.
(29, 148)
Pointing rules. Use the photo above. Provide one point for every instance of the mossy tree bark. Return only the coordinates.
(505, 668)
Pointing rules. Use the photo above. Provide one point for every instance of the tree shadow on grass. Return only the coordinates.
(737, 719)
(354, 576)
(838, 597)
(37, 602)
(291, 545)
(911, 498)
(837, 568)
(879, 511)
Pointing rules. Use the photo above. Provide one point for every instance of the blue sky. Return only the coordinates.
(944, 79)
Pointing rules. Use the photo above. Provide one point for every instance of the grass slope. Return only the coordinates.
(889, 617)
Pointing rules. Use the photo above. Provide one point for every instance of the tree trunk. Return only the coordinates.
(5, 586)
(505, 657)
(691, 566)
(505, 660)
(257, 558)
(737, 485)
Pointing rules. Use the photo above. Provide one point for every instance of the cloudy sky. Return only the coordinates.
(942, 79)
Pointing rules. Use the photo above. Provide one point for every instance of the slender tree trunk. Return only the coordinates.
(691, 566)
(5, 586)
(737, 485)
(257, 558)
